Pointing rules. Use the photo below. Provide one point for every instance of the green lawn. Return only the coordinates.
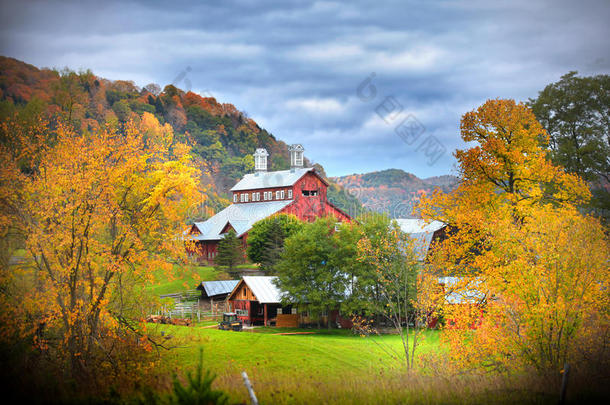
(325, 356)
(184, 278)
(327, 367)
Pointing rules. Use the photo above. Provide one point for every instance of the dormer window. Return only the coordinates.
(234, 198)
(290, 194)
(246, 197)
(282, 194)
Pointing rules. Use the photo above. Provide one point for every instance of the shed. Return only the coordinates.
(256, 299)
(217, 289)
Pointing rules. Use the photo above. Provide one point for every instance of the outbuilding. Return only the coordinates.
(257, 300)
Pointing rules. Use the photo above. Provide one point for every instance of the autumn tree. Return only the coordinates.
(530, 264)
(406, 295)
(97, 212)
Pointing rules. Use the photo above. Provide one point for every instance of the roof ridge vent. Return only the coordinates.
(296, 155)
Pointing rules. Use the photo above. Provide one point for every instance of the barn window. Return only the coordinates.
(234, 198)
(246, 197)
(310, 193)
(282, 194)
(290, 194)
(277, 195)
(241, 198)
(244, 292)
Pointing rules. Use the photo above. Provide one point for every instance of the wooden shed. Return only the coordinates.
(257, 301)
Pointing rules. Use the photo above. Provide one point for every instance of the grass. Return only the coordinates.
(184, 278)
(324, 353)
(331, 367)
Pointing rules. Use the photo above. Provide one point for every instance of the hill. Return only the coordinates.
(223, 137)
(392, 191)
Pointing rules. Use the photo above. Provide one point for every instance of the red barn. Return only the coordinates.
(299, 191)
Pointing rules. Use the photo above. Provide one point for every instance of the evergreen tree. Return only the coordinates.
(273, 247)
(261, 235)
(230, 251)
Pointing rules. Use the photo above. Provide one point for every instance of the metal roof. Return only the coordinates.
(240, 216)
(220, 287)
(414, 225)
(264, 289)
(281, 178)
(421, 231)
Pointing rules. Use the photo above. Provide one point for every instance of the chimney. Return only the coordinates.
(296, 155)
(260, 160)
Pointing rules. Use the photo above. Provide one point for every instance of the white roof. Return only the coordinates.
(281, 178)
(421, 231)
(241, 217)
(414, 225)
(264, 289)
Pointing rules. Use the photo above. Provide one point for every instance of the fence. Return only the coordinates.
(189, 295)
(194, 310)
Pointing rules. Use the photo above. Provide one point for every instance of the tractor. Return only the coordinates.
(230, 321)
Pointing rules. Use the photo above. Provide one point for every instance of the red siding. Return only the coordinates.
(306, 206)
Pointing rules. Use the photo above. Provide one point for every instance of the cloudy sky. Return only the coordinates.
(300, 68)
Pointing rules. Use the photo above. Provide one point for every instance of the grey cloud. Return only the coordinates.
(294, 66)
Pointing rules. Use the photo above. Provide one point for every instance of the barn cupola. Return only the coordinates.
(260, 160)
(296, 155)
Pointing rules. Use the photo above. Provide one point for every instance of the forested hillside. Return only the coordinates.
(393, 191)
(222, 136)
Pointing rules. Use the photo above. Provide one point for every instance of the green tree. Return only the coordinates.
(311, 267)
(265, 235)
(274, 246)
(230, 251)
(364, 278)
(576, 113)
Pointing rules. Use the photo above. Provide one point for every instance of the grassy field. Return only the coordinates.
(186, 278)
(329, 367)
(323, 353)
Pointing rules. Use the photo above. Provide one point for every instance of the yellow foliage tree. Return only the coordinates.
(538, 267)
(97, 212)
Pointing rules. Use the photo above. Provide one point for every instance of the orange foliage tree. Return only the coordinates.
(96, 213)
(539, 268)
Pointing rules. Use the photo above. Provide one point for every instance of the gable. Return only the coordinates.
(228, 227)
(242, 292)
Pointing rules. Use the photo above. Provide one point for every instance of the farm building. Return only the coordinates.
(299, 191)
(424, 233)
(216, 290)
(257, 300)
